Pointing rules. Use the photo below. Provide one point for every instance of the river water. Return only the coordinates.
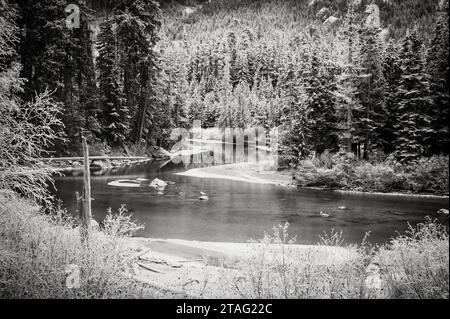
(238, 211)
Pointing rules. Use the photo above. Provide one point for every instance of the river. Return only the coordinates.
(238, 211)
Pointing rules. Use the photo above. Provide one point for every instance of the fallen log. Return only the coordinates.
(148, 268)
(93, 158)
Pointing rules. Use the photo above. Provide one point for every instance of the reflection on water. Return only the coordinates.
(237, 211)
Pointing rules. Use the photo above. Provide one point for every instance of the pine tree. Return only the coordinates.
(413, 123)
(438, 69)
(319, 85)
(371, 87)
(295, 131)
(347, 107)
(60, 60)
(137, 25)
(392, 74)
(115, 114)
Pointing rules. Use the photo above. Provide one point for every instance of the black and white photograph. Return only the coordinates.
(239, 150)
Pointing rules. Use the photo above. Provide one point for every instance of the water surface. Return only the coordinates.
(237, 211)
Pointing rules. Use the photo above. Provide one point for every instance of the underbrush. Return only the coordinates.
(343, 171)
(412, 266)
(417, 264)
(39, 252)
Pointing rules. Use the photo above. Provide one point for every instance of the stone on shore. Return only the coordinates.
(98, 164)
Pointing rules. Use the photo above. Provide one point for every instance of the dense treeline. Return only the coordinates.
(105, 86)
(343, 85)
(318, 70)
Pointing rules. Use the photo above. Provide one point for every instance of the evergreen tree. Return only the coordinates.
(295, 131)
(372, 115)
(438, 69)
(115, 114)
(413, 123)
(60, 60)
(137, 25)
(319, 85)
(392, 74)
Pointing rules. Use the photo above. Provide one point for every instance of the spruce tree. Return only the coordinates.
(372, 115)
(413, 123)
(319, 85)
(392, 74)
(438, 69)
(115, 114)
(137, 26)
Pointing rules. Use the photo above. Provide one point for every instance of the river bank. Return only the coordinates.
(262, 173)
(40, 251)
(207, 269)
(256, 173)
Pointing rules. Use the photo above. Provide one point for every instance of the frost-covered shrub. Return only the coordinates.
(417, 264)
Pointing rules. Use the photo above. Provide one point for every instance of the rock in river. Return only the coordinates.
(204, 196)
(158, 184)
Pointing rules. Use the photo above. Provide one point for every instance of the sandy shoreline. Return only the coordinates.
(260, 173)
(194, 250)
(195, 269)
(255, 173)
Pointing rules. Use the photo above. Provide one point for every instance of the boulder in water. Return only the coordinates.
(203, 196)
(322, 214)
(98, 165)
(342, 207)
(158, 184)
(116, 163)
(443, 211)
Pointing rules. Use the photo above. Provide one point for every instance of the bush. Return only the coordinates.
(36, 250)
(343, 171)
(277, 270)
(330, 178)
(378, 178)
(417, 264)
(430, 175)
(412, 266)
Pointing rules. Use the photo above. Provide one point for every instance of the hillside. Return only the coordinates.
(200, 21)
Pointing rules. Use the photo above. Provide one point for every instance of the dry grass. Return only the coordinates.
(417, 265)
(36, 250)
(411, 266)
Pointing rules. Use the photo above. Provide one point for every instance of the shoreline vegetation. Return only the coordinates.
(115, 265)
(342, 173)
